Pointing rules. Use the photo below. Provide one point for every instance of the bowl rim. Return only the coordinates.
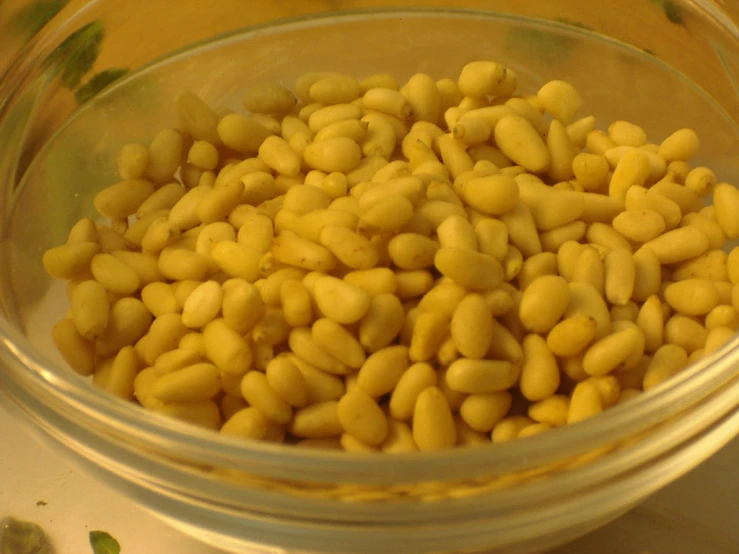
(91, 404)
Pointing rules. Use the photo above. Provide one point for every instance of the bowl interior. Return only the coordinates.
(616, 82)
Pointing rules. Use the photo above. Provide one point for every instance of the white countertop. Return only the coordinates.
(699, 514)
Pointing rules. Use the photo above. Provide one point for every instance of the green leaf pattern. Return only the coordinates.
(31, 19)
(74, 58)
(98, 82)
(103, 543)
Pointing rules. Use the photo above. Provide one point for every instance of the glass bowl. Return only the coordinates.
(524, 497)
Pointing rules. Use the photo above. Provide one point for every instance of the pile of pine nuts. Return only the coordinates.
(373, 267)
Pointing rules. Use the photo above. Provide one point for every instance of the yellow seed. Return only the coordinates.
(268, 98)
(164, 335)
(481, 78)
(70, 260)
(560, 99)
(521, 142)
(352, 249)
(584, 403)
(258, 393)
(651, 321)
(387, 101)
(424, 98)
(539, 373)
(505, 345)
(607, 354)
(481, 376)
(132, 161)
(77, 351)
(572, 335)
(589, 268)
(291, 249)
(190, 384)
(388, 214)
(379, 280)
(83, 231)
(639, 225)
(296, 303)
(433, 423)
(718, 337)
(351, 128)
(552, 411)
(710, 227)
(591, 170)
(399, 439)
(681, 145)
(544, 302)
(472, 327)
(302, 343)
(122, 374)
(535, 429)
(620, 275)
(203, 413)
(414, 380)
(579, 130)
(202, 305)
(472, 130)
(277, 154)
(246, 423)
(236, 260)
(692, 296)
(667, 361)
(176, 359)
(726, 202)
(457, 232)
(679, 245)
(492, 237)
(362, 418)
(129, 320)
(722, 316)
(701, 180)
(686, 332)
(625, 133)
(382, 370)
(600, 208)
(521, 229)
(322, 386)
(412, 251)
(381, 323)
(242, 305)
(90, 309)
(509, 428)
(493, 195)
(338, 342)
(226, 348)
(632, 171)
(123, 198)
(638, 198)
(482, 412)
(429, 331)
(114, 275)
(203, 155)
(648, 274)
(340, 301)
(605, 236)
(472, 270)
(287, 381)
(242, 133)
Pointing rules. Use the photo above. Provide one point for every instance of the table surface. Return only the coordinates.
(698, 514)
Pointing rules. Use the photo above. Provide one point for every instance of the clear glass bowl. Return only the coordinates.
(523, 497)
